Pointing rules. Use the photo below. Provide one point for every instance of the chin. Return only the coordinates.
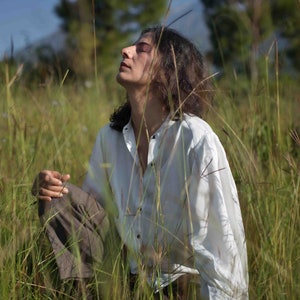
(119, 79)
(123, 82)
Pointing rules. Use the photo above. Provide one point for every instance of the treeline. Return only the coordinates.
(95, 30)
(242, 34)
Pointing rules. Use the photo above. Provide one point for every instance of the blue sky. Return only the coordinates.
(26, 21)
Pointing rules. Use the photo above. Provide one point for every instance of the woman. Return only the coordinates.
(161, 172)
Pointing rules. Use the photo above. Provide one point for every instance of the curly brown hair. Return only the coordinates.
(180, 77)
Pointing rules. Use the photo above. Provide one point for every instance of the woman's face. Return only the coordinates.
(136, 66)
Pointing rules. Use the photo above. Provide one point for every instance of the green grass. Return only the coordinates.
(54, 127)
(256, 130)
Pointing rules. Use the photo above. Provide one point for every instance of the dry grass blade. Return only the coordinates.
(295, 136)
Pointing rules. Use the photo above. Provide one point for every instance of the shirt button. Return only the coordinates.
(138, 236)
(154, 136)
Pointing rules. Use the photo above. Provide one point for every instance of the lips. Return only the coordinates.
(123, 64)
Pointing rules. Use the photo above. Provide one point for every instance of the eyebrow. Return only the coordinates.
(143, 43)
(138, 42)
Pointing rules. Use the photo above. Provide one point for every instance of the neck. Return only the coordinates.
(147, 113)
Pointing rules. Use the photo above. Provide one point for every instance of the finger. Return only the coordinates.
(46, 194)
(53, 191)
(50, 178)
(55, 178)
(65, 177)
(49, 184)
(44, 198)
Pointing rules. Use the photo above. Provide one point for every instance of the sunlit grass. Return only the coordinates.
(54, 127)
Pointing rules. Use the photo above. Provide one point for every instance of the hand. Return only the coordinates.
(49, 184)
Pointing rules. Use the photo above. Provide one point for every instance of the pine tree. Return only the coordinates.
(98, 29)
(239, 27)
(286, 18)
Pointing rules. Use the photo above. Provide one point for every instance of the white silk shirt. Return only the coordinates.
(182, 215)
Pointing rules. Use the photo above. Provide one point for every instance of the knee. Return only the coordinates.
(49, 209)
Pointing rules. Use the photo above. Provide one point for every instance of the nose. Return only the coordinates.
(127, 52)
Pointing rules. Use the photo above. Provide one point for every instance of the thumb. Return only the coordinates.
(65, 177)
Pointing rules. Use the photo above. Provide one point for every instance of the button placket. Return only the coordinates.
(139, 227)
(152, 150)
(138, 214)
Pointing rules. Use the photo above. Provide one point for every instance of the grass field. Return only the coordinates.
(54, 127)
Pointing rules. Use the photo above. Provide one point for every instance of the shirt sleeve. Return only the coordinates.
(216, 228)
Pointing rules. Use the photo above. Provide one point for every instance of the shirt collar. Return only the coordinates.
(129, 137)
(166, 123)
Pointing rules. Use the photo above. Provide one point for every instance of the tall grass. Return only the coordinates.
(54, 126)
(260, 130)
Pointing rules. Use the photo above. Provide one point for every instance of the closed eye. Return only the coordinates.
(143, 47)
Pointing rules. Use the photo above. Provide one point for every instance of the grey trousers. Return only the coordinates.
(76, 226)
